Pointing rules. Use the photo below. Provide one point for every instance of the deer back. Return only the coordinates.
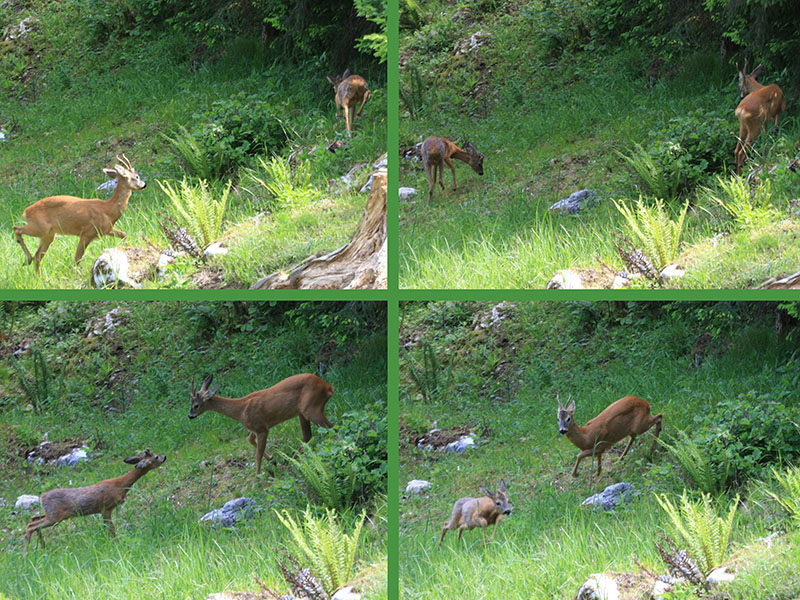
(618, 420)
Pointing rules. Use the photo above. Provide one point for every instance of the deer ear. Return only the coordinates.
(487, 492)
(571, 407)
(110, 173)
(212, 391)
(502, 487)
(133, 460)
(346, 73)
(757, 71)
(206, 381)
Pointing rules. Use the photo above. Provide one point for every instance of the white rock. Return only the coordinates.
(417, 486)
(672, 271)
(110, 268)
(381, 163)
(106, 186)
(720, 575)
(231, 512)
(215, 249)
(662, 587)
(598, 587)
(346, 593)
(565, 279)
(73, 458)
(367, 186)
(460, 445)
(611, 497)
(27, 502)
(620, 281)
(407, 192)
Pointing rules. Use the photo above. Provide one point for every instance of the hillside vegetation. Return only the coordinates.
(632, 100)
(724, 381)
(228, 93)
(116, 377)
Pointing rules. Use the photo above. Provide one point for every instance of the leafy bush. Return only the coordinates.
(227, 135)
(698, 143)
(750, 432)
(708, 475)
(356, 450)
(704, 531)
(200, 211)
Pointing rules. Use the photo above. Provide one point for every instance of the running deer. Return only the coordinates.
(102, 497)
(302, 396)
(350, 90)
(86, 218)
(438, 151)
(469, 513)
(628, 416)
(760, 104)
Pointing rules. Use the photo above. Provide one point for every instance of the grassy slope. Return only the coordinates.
(502, 383)
(130, 390)
(548, 129)
(121, 98)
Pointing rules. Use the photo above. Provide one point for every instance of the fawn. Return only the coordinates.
(469, 513)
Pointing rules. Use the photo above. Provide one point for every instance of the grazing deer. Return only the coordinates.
(102, 497)
(469, 513)
(438, 151)
(628, 416)
(302, 396)
(760, 104)
(350, 90)
(86, 218)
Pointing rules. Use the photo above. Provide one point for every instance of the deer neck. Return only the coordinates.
(230, 407)
(751, 85)
(125, 482)
(119, 200)
(579, 436)
(461, 155)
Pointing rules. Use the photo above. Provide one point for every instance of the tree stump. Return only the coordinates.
(792, 282)
(361, 264)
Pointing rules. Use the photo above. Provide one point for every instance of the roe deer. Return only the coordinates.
(469, 513)
(350, 90)
(760, 104)
(302, 396)
(102, 497)
(438, 151)
(628, 416)
(86, 218)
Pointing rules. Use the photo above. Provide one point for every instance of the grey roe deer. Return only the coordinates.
(438, 151)
(350, 90)
(302, 396)
(469, 513)
(86, 218)
(760, 104)
(628, 416)
(102, 497)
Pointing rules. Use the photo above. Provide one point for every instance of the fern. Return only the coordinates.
(426, 376)
(658, 235)
(747, 209)
(330, 552)
(706, 473)
(412, 95)
(37, 387)
(705, 533)
(789, 499)
(197, 160)
(287, 184)
(200, 212)
(321, 481)
(656, 180)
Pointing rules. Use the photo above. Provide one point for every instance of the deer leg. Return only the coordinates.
(581, 456)
(262, 443)
(36, 524)
(117, 233)
(363, 102)
(18, 231)
(453, 169)
(251, 437)
(496, 525)
(305, 428)
(85, 239)
(348, 118)
(441, 175)
(109, 523)
(657, 422)
(441, 537)
(628, 447)
(44, 244)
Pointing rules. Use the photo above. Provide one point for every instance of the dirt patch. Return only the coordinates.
(48, 451)
(439, 438)
(213, 278)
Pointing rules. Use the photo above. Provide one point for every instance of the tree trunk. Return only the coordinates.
(361, 264)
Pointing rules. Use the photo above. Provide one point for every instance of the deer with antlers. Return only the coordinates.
(85, 217)
(760, 104)
(302, 396)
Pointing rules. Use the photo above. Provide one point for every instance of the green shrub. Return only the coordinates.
(747, 210)
(227, 135)
(750, 432)
(355, 453)
(321, 481)
(709, 475)
(286, 184)
(789, 498)
(200, 211)
(659, 176)
(652, 226)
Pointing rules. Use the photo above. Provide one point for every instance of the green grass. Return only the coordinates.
(128, 390)
(549, 127)
(502, 383)
(90, 103)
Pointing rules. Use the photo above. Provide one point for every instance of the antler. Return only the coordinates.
(125, 162)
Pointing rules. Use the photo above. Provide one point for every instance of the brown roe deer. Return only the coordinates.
(469, 513)
(438, 151)
(760, 104)
(302, 396)
(628, 416)
(350, 90)
(102, 497)
(86, 218)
